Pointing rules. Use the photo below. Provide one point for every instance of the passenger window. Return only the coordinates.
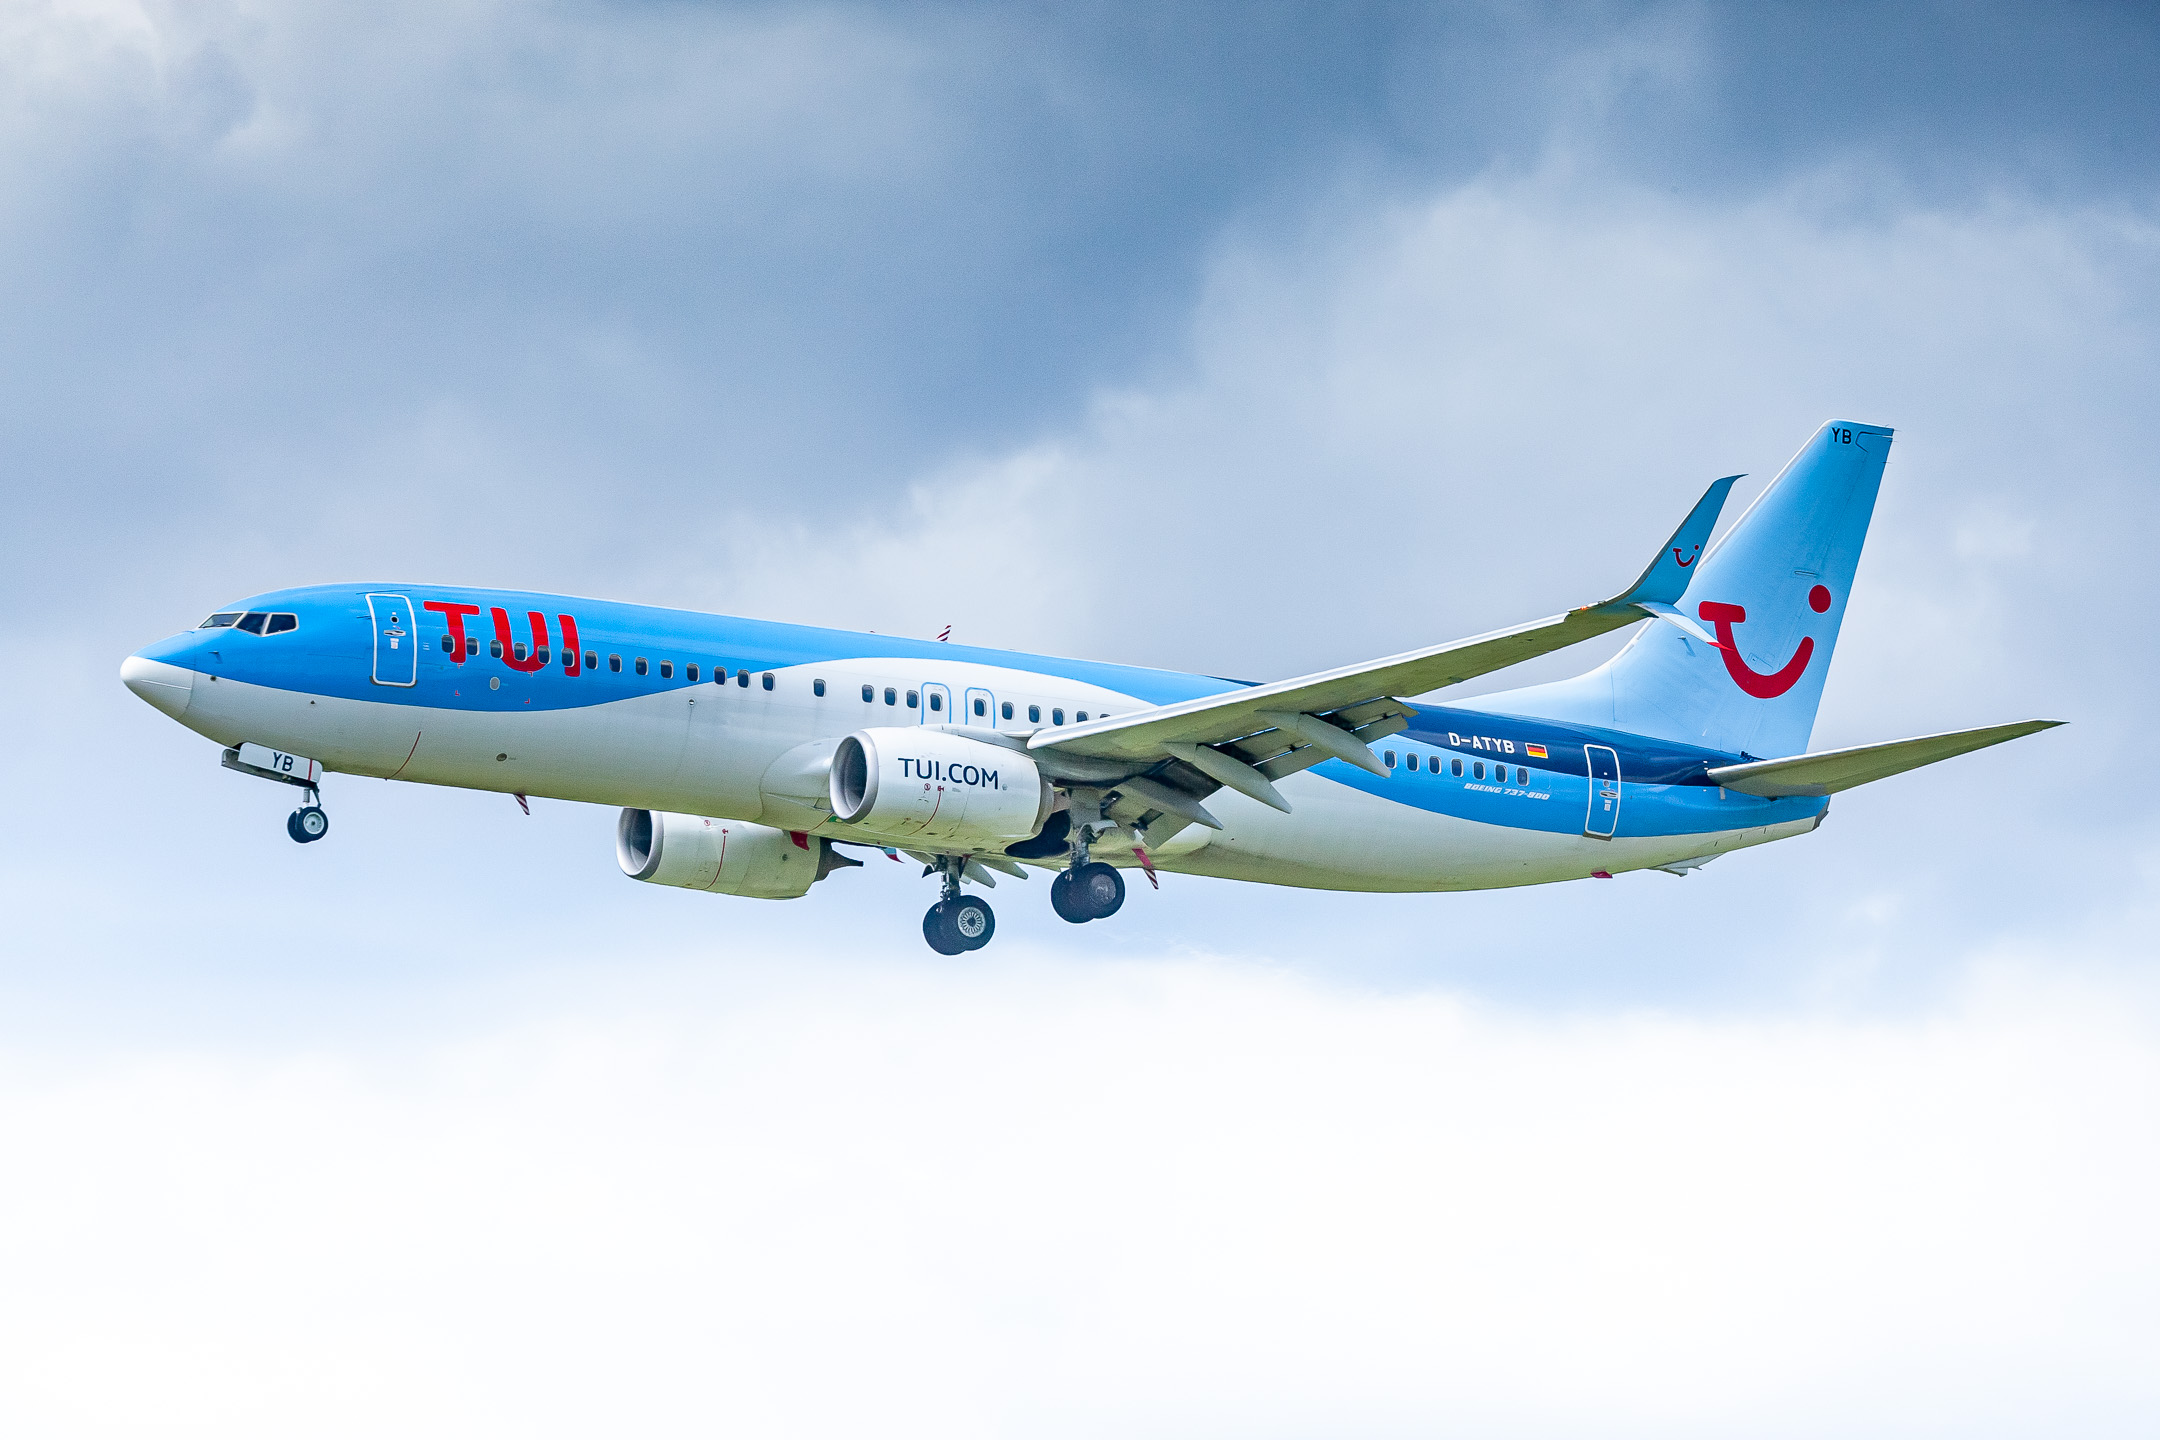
(690, 673)
(817, 688)
(472, 645)
(569, 662)
(1390, 759)
(614, 662)
(641, 665)
(1522, 775)
(1057, 717)
(1006, 709)
(1410, 758)
(541, 654)
(937, 701)
(1477, 771)
(1081, 716)
(279, 624)
(768, 679)
(592, 661)
(1034, 714)
(495, 648)
(868, 694)
(253, 621)
(981, 708)
(220, 620)
(517, 650)
(742, 679)
(447, 647)
(912, 699)
(667, 669)
(892, 696)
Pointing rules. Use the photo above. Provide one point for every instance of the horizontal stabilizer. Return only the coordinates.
(1829, 771)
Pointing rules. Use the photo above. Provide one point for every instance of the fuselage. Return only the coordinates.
(627, 705)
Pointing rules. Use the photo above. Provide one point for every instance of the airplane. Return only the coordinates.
(750, 757)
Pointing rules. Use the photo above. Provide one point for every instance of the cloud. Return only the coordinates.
(1052, 1198)
(1448, 412)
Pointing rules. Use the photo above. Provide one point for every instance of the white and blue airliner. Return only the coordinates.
(749, 758)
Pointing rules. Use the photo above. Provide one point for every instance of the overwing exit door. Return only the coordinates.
(397, 647)
(979, 707)
(1604, 814)
(937, 706)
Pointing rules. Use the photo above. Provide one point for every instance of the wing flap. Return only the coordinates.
(1829, 771)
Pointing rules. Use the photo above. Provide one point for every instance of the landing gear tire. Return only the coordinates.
(307, 824)
(939, 933)
(955, 926)
(1093, 891)
(1065, 902)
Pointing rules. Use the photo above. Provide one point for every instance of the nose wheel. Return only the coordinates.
(307, 824)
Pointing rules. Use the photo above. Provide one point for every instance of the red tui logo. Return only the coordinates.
(1777, 682)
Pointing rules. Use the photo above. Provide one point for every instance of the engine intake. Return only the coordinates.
(921, 784)
(726, 857)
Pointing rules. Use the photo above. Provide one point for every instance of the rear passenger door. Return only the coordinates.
(1604, 813)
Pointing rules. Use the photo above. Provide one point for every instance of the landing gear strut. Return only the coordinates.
(958, 922)
(1086, 889)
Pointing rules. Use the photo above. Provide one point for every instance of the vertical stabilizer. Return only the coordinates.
(1772, 591)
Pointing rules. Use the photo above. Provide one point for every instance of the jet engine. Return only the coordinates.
(727, 857)
(911, 784)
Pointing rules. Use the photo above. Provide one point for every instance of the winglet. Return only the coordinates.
(1667, 578)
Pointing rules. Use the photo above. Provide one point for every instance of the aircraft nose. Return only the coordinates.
(168, 687)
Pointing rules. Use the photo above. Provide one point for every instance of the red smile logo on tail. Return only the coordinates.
(1762, 687)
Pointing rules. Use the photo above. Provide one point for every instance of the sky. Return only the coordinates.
(1247, 340)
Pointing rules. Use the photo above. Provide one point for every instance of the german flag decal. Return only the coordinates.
(1537, 752)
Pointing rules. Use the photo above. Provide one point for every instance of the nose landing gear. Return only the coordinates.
(307, 824)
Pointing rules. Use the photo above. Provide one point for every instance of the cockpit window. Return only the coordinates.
(280, 623)
(220, 620)
(253, 622)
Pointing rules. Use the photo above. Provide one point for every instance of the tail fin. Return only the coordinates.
(1774, 591)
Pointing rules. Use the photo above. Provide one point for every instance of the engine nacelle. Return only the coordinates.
(921, 784)
(727, 857)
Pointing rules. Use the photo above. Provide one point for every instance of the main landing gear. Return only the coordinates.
(1093, 891)
(1087, 889)
(958, 922)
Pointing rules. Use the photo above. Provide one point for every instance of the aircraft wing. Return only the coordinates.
(1250, 737)
(1828, 771)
